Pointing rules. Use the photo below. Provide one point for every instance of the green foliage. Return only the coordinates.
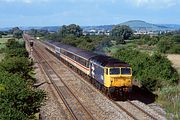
(165, 44)
(121, 33)
(17, 33)
(19, 52)
(38, 33)
(153, 71)
(87, 42)
(9, 113)
(14, 65)
(146, 39)
(2, 87)
(13, 44)
(176, 38)
(71, 29)
(175, 49)
(18, 99)
(71, 40)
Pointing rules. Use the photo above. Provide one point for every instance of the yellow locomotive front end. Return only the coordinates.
(118, 77)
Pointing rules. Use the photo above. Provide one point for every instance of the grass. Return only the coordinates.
(115, 48)
(169, 98)
(3, 40)
(143, 48)
(175, 59)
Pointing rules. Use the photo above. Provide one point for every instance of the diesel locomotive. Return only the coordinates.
(108, 74)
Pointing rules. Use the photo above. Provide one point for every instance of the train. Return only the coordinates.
(108, 74)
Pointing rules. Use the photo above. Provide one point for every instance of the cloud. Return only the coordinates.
(154, 3)
(24, 1)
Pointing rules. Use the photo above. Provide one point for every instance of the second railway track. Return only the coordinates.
(132, 109)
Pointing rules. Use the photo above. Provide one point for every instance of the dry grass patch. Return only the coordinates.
(175, 59)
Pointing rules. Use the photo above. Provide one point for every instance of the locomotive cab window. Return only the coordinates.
(125, 71)
(114, 71)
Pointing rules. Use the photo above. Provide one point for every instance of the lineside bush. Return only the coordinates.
(153, 71)
(18, 99)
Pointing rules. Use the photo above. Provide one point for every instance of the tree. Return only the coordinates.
(71, 29)
(121, 33)
(17, 33)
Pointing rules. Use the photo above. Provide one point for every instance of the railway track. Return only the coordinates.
(77, 110)
(131, 109)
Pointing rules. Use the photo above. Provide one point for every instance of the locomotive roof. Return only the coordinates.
(107, 61)
(83, 53)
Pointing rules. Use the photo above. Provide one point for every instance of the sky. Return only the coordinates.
(87, 12)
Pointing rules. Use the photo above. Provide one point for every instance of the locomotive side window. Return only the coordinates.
(126, 71)
(114, 71)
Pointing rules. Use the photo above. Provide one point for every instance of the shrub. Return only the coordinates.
(18, 52)
(18, 99)
(19, 65)
(13, 44)
(153, 71)
(165, 44)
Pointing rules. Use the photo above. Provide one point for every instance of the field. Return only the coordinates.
(3, 40)
(133, 45)
(175, 59)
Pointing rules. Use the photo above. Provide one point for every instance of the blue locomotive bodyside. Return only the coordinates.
(97, 72)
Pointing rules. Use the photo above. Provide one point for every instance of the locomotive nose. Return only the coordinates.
(120, 81)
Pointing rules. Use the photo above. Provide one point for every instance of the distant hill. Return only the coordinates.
(138, 25)
(142, 25)
(134, 24)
